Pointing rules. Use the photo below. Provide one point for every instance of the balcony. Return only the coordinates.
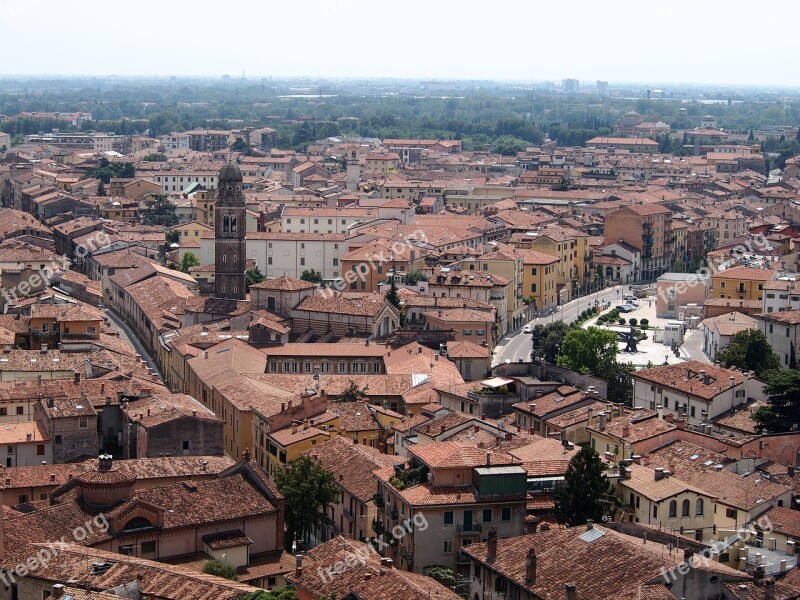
(347, 514)
(469, 528)
(378, 500)
(44, 334)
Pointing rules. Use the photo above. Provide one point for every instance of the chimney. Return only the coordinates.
(570, 591)
(659, 473)
(442, 429)
(669, 417)
(491, 545)
(704, 376)
(246, 455)
(531, 524)
(589, 412)
(769, 588)
(680, 423)
(488, 459)
(637, 459)
(790, 471)
(57, 590)
(742, 592)
(387, 562)
(589, 524)
(476, 428)
(626, 430)
(602, 423)
(77, 377)
(367, 575)
(298, 565)
(530, 567)
(483, 417)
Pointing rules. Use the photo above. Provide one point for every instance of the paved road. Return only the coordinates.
(515, 344)
(126, 333)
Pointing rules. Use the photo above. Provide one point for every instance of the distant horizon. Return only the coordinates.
(712, 43)
(586, 85)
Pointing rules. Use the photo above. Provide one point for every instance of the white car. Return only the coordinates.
(626, 308)
(527, 329)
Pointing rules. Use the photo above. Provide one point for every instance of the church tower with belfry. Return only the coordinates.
(229, 230)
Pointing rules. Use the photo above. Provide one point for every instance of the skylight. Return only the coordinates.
(694, 457)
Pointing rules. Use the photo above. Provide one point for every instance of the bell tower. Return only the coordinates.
(229, 230)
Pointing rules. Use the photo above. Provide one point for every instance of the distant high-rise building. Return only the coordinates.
(569, 85)
(602, 87)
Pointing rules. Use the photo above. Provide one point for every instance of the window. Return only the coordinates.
(3, 412)
(23, 498)
(448, 517)
(468, 332)
(673, 509)
(655, 511)
(447, 546)
(533, 288)
(58, 439)
(685, 508)
(20, 410)
(148, 547)
(9, 449)
(533, 271)
(83, 422)
(40, 450)
(185, 444)
(698, 507)
(505, 514)
(730, 513)
(487, 515)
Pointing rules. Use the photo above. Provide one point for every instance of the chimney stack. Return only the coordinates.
(57, 590)
(589, 524)
(491, 545)
(246, 455)
(570, 591)
(769, 588)
(530, 567)
(602, 421)
(659, 473)
(298, 565)
(669, 417)
(77, 377)
(742, 592)
(680, 423)
(626, 431)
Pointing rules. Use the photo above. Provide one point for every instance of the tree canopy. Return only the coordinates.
(284, 593)
(591, 350)
(392, 297)
(783, 410)
(312, 276)
(307, 489)
(162, 212)
(106, 170)
(253, 276)
(220, 569)
(155, 157)
(585, 487)
(353, 393)
(749, 350)
(547, 340)
(188, 261)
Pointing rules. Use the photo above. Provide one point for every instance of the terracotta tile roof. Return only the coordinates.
(352, 465)
(783, 520)
(284, 283)
(734, 490)
(227, 539)
(451, 455)
(740, 420)
(642, 481)
(167, 582)
(746, 274)
(601, 568)
(466, 349)
(563, 397)
(369, 305)
(687, 378)
(380, 583)
(17, 433)
(163, 408)
(635, 426)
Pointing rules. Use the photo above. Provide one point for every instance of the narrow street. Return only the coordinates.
(125, 332)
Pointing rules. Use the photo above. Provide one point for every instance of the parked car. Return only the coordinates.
(527, 329)
(630, 299)
(626, 308)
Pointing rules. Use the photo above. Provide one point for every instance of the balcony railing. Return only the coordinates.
(379, 501)
(469, 528)
(347, 514)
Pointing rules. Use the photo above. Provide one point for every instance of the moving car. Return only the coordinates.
(527, 329)
(626, 308)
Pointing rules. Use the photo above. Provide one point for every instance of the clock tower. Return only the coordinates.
(229, 230)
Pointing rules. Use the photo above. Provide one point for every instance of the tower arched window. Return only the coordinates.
(673, 508)
(685, 508)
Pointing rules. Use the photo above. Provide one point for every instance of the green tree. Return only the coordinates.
(353, 393)
(679, 267)
(619, 381)
(415, 276)
(188, 261)
(284, 593)
(312, 276)
(547, 340)
(751, 137)
(392, 297)
(220, 569)
(172, 237)
(792, 356)
(508, 145)
(582, 494)
(253, 276)
(162, 212)
(101, 189)
(749, 350)
(307, 490)
(155, 157)
(590, 350)
(783, 411)
(241, 146)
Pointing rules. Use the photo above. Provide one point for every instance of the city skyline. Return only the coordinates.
(685, 43)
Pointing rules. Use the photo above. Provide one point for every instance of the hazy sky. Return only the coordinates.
(713, 41)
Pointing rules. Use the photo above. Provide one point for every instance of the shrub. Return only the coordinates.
(220, 569)
(621, 321)
(643, 325)
(644, 322)
(632, 321)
